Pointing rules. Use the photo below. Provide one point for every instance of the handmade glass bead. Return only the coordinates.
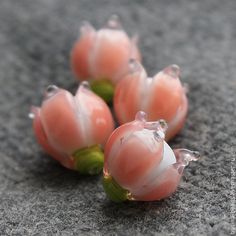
(140, 165)
(161, 97)
(102, 56)
(73, 129)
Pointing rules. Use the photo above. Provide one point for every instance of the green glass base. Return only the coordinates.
(103, 88)
(114, 191)
(89, 160)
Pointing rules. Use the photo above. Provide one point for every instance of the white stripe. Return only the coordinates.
(151, 182)
(180, 115)
(83, 115)
(146, 88)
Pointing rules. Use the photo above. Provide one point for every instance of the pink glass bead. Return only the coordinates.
(140, 165)
(102, 56)
(72, 129)
(161, 97)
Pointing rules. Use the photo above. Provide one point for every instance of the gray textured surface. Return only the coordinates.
(39, 197)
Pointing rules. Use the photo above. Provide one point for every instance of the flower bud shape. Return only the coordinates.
(140, 165)
(161, 97)
(102, 56)
(72, 129)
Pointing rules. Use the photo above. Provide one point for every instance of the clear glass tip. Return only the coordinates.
(114, 22)
(85, 85)
(184, 157)
(51, 90)
(134, 66)
(173, 71)
(141, 116)
(86, 28)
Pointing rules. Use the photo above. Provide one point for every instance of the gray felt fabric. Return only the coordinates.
(38, 196)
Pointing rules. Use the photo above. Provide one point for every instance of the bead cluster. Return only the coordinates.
(79, 131)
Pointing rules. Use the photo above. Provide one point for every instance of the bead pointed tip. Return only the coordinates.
(85, 85)
(184, 157)
(172, 70)
(134, 66)
(50, 91)
(114, 22)
(141, 116)
(85, 28)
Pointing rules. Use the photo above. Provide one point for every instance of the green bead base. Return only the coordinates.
(103, 88)
(89, 161)
(114, 191)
